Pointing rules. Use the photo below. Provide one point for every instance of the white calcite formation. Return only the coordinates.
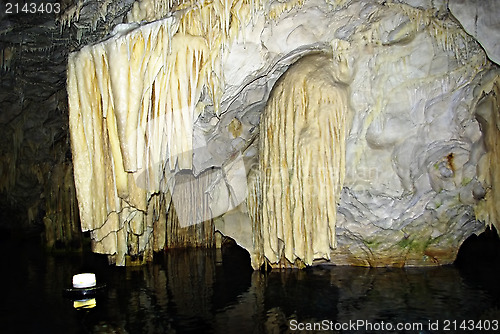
(132, 102)
(481, 20)
(362, 132)
(302, 161)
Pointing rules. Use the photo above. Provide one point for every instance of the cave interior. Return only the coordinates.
(348, 132)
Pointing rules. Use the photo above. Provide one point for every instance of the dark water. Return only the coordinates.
(213, 291)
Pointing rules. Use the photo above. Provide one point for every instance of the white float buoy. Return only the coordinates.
(84, 287)
(86, 280)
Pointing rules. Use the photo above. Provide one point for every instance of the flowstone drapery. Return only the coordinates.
(133, 100)
(132, 105)
(302, 162)
(373, 126)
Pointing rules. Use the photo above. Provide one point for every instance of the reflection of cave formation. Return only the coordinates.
(351, 132)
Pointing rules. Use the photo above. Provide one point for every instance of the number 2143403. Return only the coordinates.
(32, 8)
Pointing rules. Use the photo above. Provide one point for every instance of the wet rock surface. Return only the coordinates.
(417, 157)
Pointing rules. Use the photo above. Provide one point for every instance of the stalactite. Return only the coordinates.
(150, 10)
(196, 235)
(134, 98)
(189, 218)
(61, 221)
(9, 161)
(157, 218)
(254, 200)
(125, 95)
(133, 101)
(191, 199)
(7, 171)
(302, 149)
(279, 7)
(488, 114)
(218, 22)
(72, 13)
(6, 57)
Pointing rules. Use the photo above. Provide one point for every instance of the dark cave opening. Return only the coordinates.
(480, 251)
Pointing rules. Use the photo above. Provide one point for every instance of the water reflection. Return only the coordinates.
(84, 303)
(209, 291)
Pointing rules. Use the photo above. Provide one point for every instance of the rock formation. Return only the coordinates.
(353, 132)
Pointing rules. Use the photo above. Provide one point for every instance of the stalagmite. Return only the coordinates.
(302, 162)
